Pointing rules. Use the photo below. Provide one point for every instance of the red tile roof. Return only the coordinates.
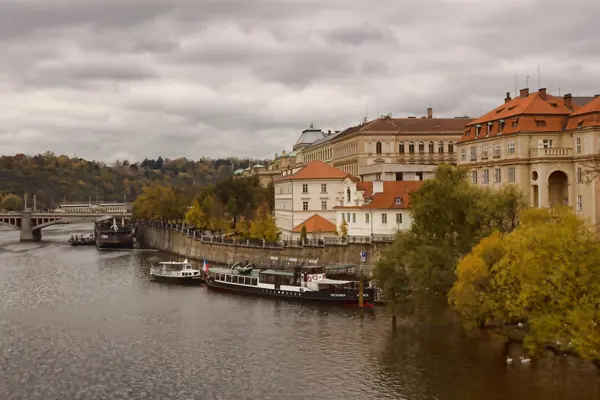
(317, 170)
(531, 112)
(315, 224)
(587, 116)
(387, 198)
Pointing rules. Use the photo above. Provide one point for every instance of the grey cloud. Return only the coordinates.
(103, 78)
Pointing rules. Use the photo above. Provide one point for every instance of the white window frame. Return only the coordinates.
(353, 218)
(510, 147)
(578, 175)
(384, 218)
(512, 174)
(484, 151)
(305, 206)
(399, 218)
(474, 177)
(497, 175)
(547, 143)
(323, 204)
(486, 176)
(367, 218)
(497, 151)
(323, 188)
(463, 154)
(579, 203)
(305, 188)
(578, 145)
(473, 153)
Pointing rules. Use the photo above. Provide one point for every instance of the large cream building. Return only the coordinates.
(544, 144)
(388, 149)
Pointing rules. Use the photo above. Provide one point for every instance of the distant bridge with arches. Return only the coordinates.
(30, 224)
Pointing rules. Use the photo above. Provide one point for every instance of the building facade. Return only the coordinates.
(304, 192)
(545, 145)
(375, 208)
(388, 149)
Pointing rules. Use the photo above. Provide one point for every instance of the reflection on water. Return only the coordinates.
(76, 323)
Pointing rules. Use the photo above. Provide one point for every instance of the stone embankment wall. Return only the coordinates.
(176, 242)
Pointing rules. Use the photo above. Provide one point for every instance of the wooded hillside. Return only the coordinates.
(56, 178)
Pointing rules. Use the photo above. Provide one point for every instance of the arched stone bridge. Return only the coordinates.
(30, 224)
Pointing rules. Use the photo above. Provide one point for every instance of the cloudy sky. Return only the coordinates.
(114, 79)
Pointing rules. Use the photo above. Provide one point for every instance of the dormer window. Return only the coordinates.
(540, 122)
(580, 124)
(367, 200)
(490, 125)
(511, 108)
(501, 126)
(515, 123)
(398, 200)
(477, 130)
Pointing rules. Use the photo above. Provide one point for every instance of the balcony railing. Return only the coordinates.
(551, 152)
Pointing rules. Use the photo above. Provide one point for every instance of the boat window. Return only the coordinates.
(227, 278)
(254, 281)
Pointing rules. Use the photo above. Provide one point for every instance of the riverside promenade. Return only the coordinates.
(177, 239)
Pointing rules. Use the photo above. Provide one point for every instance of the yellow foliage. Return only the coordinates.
(546, 274)
(263, 226)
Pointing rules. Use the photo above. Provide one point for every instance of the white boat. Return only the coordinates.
(176, 272)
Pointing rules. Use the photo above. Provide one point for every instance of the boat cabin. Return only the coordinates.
(174, 269)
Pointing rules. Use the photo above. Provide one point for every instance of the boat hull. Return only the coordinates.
(182, 280)
(341, 298)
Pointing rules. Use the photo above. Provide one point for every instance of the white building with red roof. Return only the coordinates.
(307, 196)
(319, 197)
(376, 208)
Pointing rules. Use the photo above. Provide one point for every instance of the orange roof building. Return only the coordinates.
(546, 145)
(307, 196)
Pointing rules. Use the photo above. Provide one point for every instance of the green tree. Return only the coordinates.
(263, 225)
(303, 235)
(450, 216)
(12, 202)
(544, 274)
(391, 273)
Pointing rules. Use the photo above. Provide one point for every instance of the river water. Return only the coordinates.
(76, 323)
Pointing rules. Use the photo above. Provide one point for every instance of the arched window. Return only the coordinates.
(378, 148)
(421, 147)
(348, 196)
(431, 147)
(450, 147)
(411, 147)
(401, 147)
(440, 147)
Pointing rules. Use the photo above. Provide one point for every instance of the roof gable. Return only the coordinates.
(315, 224)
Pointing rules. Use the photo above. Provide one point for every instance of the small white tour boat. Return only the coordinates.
(176, 272)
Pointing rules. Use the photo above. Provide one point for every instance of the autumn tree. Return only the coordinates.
(11, 202)
(545, 274)
(263, 225)
(343, 231)
(158, 202)
(197, 216)
(243, 228)
(450, 216)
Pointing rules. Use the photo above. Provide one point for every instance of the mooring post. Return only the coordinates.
(25, 202)
(34, 203)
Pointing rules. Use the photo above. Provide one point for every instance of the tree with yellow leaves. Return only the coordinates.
(545, 275)
(263, 225)
(343, 231)
(158, 202)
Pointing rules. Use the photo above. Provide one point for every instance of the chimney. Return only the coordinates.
(429, 112)
(377, 187)
(568, 98)
(524, 93)
(507, 99)
(542, 93)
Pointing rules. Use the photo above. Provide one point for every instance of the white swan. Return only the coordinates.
(525, 360)
(509, 360)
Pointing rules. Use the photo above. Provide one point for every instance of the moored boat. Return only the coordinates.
(304, 283)
(181, 272)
